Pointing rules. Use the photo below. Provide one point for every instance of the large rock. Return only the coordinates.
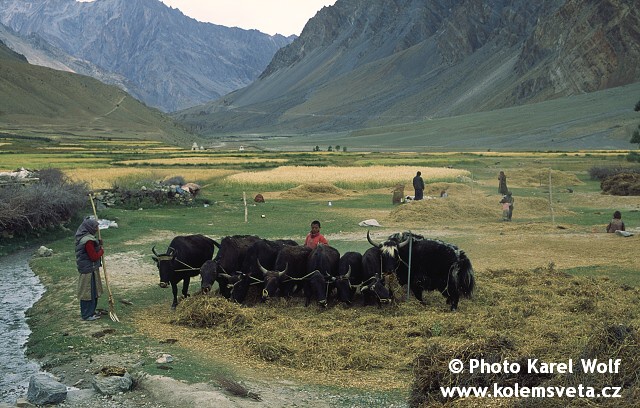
(112, 384)
(45, 390)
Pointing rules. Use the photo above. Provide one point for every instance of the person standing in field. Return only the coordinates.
(418, 186)
(616, 223)
(315, 237)
(507, 206)
(89, 252)
(502, 183)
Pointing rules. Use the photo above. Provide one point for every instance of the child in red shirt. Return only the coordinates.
(315, 237)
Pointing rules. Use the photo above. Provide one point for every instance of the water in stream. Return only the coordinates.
(20, 288)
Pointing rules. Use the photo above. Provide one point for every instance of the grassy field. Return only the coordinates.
(549, 283)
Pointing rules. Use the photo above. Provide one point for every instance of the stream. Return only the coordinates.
(20, 288)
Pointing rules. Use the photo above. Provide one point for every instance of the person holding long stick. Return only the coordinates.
(89, 253)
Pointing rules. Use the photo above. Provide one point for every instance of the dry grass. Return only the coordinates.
(515, 314)
(536, 177)
(103, 179)
(351, 175)
(201, 160)
(463, 204)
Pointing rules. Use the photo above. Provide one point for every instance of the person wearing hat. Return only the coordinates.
(89, 252)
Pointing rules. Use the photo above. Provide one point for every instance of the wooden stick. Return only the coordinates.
(112, 311)
(244, 198)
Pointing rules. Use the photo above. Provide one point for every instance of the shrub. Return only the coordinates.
(50, 202)
(633, 157)
(601, 173)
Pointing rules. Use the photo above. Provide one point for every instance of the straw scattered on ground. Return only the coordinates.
(515, 314)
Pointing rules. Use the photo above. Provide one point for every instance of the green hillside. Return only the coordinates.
(38, 101)
(599, 120)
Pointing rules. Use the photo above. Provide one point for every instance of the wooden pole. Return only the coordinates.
(246, 214)
(409, 267)
(553, 218)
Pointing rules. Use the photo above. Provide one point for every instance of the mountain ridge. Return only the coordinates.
(173, 61)
(363, 63)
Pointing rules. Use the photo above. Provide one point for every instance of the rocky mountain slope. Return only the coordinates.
(365, 63)
(45, 102)
(39, 52)
(172, 61)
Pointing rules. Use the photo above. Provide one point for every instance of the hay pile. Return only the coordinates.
(515, 314)
(314, 191)
(463, 204)
(536, 177)
(623, 184)
(545, 315)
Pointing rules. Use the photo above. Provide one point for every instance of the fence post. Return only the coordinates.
(244, 198)
(409, 267)
(553, 218)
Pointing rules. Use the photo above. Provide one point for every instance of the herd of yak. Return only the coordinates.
(283, 268)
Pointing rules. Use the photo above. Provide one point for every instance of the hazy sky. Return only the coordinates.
(284, 17)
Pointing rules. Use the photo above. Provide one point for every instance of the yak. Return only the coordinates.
(350, 264)
(377, 262)
(262, 252)
(226, 266)
(322, 260)
(182, 260)
(289, 274)
(437, 265)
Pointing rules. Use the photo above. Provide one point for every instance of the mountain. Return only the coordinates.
(39, 52)
(368, 63)
(171, 61)
(47, 102)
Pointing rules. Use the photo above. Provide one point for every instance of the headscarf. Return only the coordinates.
(88, 227)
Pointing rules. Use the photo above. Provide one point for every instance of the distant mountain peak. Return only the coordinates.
(171, 61)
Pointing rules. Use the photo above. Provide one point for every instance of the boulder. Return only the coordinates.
(112, 384)
(45, 390)
(43, 251)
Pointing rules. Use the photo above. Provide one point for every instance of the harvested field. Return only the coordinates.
(463, 204)
(101, 179)
(350, 175)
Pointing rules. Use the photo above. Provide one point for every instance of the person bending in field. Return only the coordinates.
(315, 237)
(616, 223)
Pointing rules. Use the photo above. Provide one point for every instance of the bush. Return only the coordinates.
(50, 202)
(633, 157)
(601, 173)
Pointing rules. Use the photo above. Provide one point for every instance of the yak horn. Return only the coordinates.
(348, 274)
(286, 268)
(371, 242)
(153, 249)
(405, 242)
(262, 268)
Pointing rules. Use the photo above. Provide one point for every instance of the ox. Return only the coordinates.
(289, 274)
(322, 268)
(377, 262)
(437, 265)
(183, 260)
(263, 252)
(226, 265)
(350, 264)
